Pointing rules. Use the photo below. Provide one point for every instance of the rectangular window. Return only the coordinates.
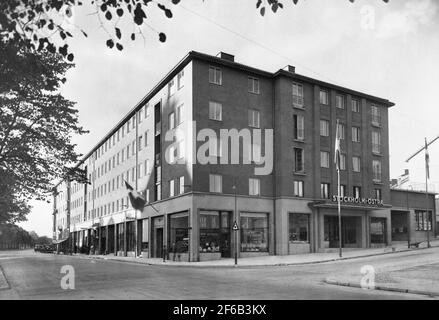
(376, 116)
(181, 185)
(378, 230)
(215, 111)
(140, 144)
(339, 101)
(171, 88)
(342, 131)
(299, 127)
(324, 97)
(297, 95)
(133, 147)
(178, 234)
(254, 232)
(356, 164)
(128, 151)
(180, 79)
(171, 188)
(355, 104)
(378, 194)
(179, 115)
(324, 190)
(171, 120)
(376, 142)
(423, 220)
(146, 168)
(254, 187)
(298, 189)
(214, 230)
(215, 183)
(324, 128)
(299, 160)
(147, 111)
(253, 85)
(342, 161)
(299, 226)
(376, 169)
(324, 159)
(343, 190)
(357, 192)
(215, 75)
(146, 138)
(355, 134)
(253, 118)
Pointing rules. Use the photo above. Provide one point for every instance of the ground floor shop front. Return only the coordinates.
(199, 227)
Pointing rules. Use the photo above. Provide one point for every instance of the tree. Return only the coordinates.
(41, 24)
(36, 126)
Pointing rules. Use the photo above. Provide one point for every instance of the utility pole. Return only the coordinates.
(427, 176)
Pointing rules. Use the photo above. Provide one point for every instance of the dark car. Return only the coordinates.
(48, 248)
(38, 247)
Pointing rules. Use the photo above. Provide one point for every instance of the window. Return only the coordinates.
(299, 127)
(254, 187)
(299, 227)
(376, 169)
(253, 85)
(181, 185)
(378, 230)
(171, 88)
(356, 164)
(342, 131)
(324, 97)
(355, 134)
(376, 142)
(215, 183)
(255, 150)
(214, 228)
(180, 79)
(215, 111)
(171, 120)
(324, 190)
(171, 188)
(324, 159)
(253, 118)
(128, 125)
(146, 138)
(147, 171)
(215, 75)
(299, 160)
(133, 147)
(357, 192)
(147, 111)
(376, 116)
(355, 104)
(339, 101)
(178, 116)
(342, 161)
(423, 220)
(324, 128)
(378, 194)
(343, 190)
(254, 232)
(178, 233)
(298, 189)
(297, 95)
(140, 144)
(128, 151)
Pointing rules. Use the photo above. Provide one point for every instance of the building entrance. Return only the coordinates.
(350, 232)
(157, 235)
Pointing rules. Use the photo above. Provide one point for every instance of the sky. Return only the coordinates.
(387, 50)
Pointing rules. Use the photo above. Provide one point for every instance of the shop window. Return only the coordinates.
(215, 232)
(254, 232)
(299, 227)
(378, 230)
(423, 220)
(179, 232)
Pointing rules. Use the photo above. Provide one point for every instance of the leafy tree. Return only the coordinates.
(43, 24)
(36, 126)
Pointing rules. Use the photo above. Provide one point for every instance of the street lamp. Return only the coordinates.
(235, 230)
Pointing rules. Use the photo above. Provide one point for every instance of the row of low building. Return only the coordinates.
(276, 196)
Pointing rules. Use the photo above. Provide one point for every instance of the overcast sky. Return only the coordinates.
(388, 50)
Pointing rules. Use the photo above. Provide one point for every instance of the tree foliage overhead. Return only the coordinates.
(44, 24)
(36, 126)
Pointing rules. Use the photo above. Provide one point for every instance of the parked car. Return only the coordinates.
(48, 248)
(38, 247)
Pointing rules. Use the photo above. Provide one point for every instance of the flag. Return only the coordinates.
(136, 199)
(337, 148)
(427, 160)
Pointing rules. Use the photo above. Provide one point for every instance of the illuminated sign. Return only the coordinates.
(365, 201)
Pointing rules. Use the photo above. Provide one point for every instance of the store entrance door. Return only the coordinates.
(349, 234)
(158, 243)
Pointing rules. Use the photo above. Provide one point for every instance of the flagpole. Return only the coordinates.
(339, 212)
(137, 146)
(426, 194)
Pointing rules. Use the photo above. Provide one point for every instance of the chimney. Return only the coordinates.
(291, 69)
(226, 56)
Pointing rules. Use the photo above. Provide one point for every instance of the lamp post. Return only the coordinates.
(235, 230)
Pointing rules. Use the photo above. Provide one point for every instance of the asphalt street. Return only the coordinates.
(38, 276)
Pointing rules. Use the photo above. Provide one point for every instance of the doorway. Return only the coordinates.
(350, 232)
(158, 237)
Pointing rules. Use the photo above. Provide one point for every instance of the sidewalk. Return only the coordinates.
(269, 260)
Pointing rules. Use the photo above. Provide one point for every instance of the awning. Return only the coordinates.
(59, 241)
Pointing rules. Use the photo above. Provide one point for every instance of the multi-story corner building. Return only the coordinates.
(281, 190)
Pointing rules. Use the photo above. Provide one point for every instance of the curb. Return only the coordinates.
(382, 288)
(250, 266)
(4, 284)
